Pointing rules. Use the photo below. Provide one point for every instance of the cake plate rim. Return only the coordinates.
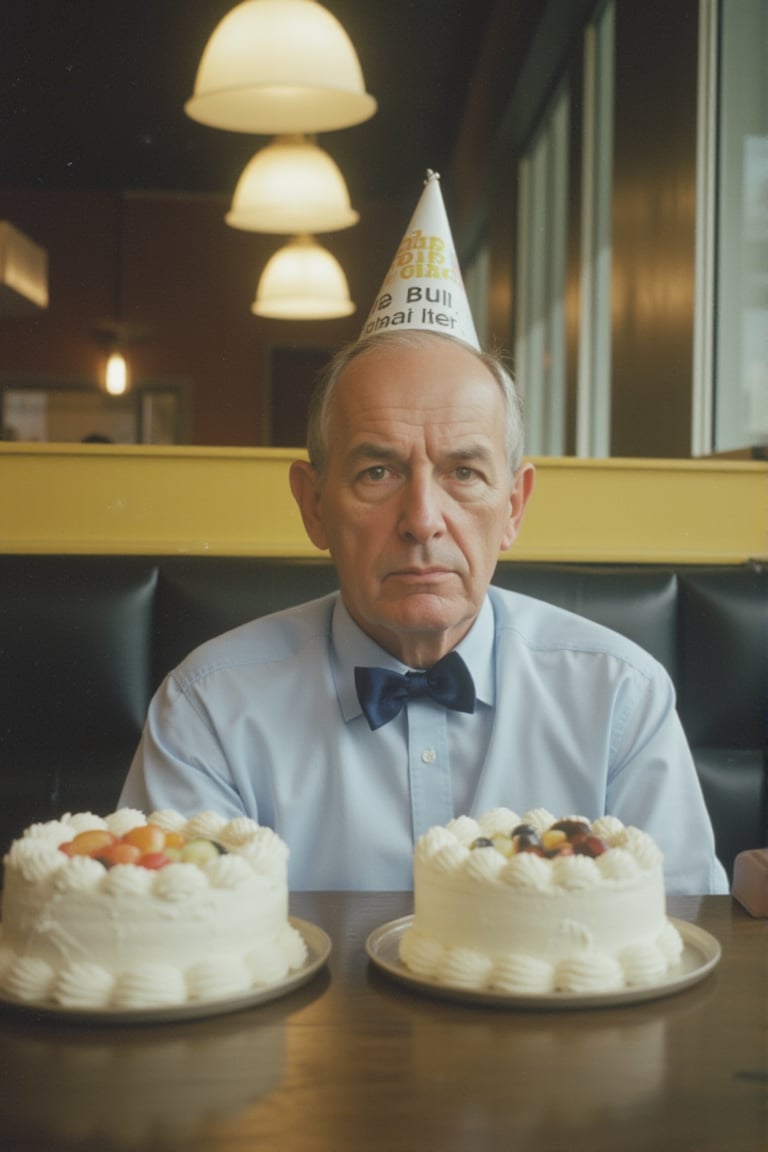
(701, 954)
(319, 947)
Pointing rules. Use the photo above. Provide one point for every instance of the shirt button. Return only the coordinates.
(429, 755)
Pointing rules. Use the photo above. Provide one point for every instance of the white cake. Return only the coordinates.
(202, 913)
(535, 909)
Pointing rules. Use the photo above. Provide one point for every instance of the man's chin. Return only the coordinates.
(423, 612)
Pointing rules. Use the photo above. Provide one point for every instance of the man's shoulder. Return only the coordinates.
(273, 638)
(548, 627)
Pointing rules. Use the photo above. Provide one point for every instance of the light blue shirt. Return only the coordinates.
(572, 717)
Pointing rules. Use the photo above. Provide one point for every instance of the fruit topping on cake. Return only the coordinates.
(147, 845)
(570, 837)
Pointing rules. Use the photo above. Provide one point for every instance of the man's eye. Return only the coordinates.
(376, 472)
(463, 472)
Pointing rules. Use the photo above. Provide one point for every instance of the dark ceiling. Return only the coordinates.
(92, 94)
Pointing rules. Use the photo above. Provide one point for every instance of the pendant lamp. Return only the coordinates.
(274, 66)
(116, 374)
(116, 378)
(291, 186)
(302, 281)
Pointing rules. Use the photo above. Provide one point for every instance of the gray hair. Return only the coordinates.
(318, 430)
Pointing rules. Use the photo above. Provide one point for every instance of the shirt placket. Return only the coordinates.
(429, 766)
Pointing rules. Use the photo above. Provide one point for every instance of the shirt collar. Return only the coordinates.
(351, 646)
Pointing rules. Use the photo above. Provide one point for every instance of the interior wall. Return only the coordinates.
(187, 283)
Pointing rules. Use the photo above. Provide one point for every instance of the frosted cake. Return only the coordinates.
(537, 905)
(126, 912)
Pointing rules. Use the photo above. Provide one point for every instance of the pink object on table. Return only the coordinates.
(750, 881)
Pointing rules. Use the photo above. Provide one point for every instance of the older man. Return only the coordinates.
(415, 483)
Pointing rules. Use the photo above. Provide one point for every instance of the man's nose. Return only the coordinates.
(421, 511)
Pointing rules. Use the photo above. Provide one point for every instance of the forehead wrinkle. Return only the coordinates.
(407, 419)
(386, 421)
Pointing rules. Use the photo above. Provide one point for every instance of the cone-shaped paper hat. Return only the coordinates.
(423, 288)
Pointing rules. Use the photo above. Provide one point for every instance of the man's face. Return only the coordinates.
(417, 499)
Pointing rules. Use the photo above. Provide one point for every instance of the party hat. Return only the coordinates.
(423, 288)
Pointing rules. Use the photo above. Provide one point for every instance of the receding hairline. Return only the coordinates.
(320, 403)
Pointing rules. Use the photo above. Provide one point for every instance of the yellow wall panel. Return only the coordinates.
(236, 501)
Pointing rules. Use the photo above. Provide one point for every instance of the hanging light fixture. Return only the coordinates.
(302, 281)
(116, 378)
(275, 66)
(291, 186)
(116, 381)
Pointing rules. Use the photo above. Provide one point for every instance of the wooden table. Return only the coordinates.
(354, 1060)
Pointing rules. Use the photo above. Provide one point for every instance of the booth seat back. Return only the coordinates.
(85, 640)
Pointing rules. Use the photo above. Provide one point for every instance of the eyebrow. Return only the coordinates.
(473, 451)
(370, 450)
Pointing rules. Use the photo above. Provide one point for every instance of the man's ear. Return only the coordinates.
(305, 486)
(521, 490)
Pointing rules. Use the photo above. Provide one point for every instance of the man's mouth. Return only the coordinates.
(420, 575)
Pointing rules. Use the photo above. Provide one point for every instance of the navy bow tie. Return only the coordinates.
(382, 692)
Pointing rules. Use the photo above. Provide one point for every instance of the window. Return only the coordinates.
(540, 336)
(62, 411)
(476, 276)
(741, 290)
(593, 421)
(544, 174)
